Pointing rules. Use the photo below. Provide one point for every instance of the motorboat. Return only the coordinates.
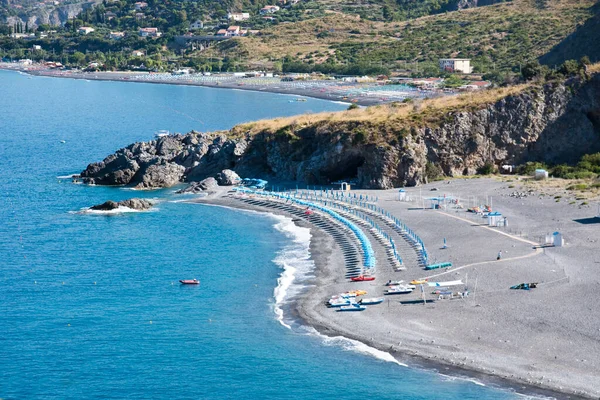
(371, 301)
(362, 278)
(189, 281)
(353, 307)
(162, 133)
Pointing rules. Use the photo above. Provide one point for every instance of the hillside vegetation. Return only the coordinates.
(497, 38)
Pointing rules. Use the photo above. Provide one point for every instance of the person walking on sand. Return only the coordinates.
(499, 255)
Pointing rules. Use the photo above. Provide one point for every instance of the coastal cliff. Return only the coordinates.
(379, 147)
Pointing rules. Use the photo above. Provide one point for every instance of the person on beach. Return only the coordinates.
(499, 255)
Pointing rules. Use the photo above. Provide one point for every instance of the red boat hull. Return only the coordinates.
(362, 278)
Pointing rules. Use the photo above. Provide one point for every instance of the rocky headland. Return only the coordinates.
(379, 147)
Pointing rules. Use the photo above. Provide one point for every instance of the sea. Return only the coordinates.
(90, 303)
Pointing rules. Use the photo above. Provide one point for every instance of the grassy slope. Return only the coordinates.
(498, 36)
(395, 116)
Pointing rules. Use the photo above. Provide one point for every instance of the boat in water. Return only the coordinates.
(189, 281)
(362, 278)
(161, 133)
(371, 301)
(353, 307)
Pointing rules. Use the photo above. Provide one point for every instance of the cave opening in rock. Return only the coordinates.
(345, 169)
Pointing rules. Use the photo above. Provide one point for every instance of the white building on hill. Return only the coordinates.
(462, 65)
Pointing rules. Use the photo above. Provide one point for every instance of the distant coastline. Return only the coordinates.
(130, 77)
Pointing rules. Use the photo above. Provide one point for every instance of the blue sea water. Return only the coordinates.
(90, 306)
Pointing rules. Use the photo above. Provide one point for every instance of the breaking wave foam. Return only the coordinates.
(355, 346)
(296, 263)
(118, 210)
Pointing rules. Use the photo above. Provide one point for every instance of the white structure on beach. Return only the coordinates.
(495, 219)
(556, 239)
(541, 174)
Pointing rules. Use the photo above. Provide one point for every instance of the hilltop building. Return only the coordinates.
(462, 65)
(238, 16)
(196, 25)
(84, 30)
(269, 10)
(150, 32)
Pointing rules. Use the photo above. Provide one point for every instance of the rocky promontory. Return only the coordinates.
(378, 147)
(134, 204)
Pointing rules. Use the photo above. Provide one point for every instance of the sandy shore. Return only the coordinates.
(544, 341)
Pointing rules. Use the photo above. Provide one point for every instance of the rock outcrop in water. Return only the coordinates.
(556, 122)
(134, 204)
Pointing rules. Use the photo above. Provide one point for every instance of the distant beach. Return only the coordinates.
(525, 340)
(364, 94)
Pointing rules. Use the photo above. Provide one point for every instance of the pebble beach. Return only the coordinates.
(539, 341)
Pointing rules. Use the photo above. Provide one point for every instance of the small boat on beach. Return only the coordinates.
(418, 281)
(371, 301)
(362, 278)
(398, 290)
(353, 307)
(393, 283)
(189, 281)
(339, 303)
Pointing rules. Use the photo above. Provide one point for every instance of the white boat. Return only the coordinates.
(161, 133)
(353, 307)
(393, 283)
(398, 290)
(340, 303)
(371, 301)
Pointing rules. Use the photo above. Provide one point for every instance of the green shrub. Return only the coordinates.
(487, 169)
(433, 171)
(579, 186)
(353, 107)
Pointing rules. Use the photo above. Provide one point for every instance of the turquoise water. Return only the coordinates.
(89, 304)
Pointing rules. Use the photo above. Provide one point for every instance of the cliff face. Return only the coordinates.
(58, 15)
(554, 123)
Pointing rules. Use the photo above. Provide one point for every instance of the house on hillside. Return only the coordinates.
(137, 53)
(462, 65)
(427, 83)
(110, 15)
(84, 30)
(221, 32)
(233, 30)
(150, 32)
(269, 10)
(140, 5)
(238, 16)
(116, 35)
(475, 85)
(196, 25)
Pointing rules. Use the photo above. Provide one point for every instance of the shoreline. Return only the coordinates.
(415, 357)
(122, 77)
